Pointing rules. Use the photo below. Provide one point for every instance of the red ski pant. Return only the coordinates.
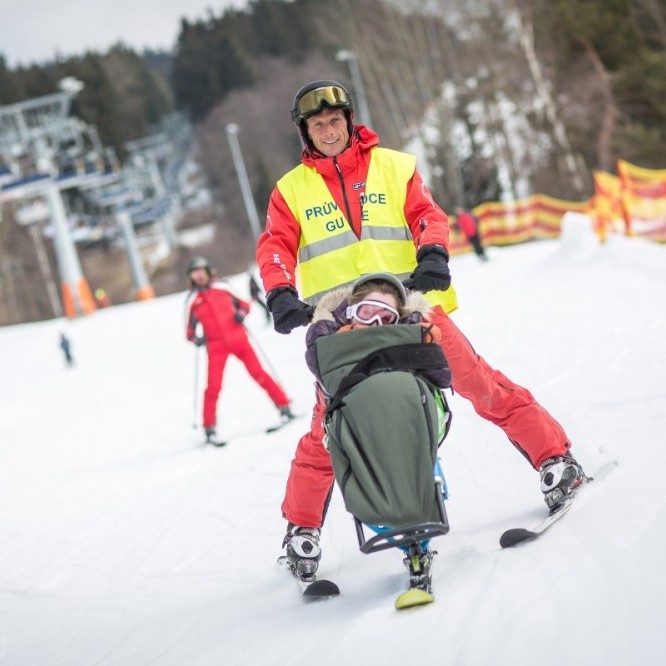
(218, 353)
(494, 397)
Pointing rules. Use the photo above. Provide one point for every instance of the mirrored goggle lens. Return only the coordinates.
(314, 100)
(373, 312)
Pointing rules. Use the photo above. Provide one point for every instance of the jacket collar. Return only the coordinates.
(362, 140)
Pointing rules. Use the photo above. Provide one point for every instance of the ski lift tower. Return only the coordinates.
(118, 198)
(36, 126)
(145, 155)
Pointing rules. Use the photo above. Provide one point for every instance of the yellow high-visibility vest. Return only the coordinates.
(330, 255)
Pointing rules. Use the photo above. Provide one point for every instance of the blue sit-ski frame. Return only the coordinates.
(387, 537)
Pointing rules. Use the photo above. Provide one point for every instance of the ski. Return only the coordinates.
(213, 441)
(279, 426)
(319, 589)
(519, 535)
(275, 428)
(413, 597)
(311, 587)
(216, 442)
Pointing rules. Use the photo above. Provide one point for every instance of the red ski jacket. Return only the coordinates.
(467, 224)
(344, 176)
(219, 312)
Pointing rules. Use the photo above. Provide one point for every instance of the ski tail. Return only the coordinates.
(310, 587)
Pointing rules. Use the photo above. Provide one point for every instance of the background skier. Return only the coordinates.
(255, 294)
(469, 225)
(220, 314)
(66, 347)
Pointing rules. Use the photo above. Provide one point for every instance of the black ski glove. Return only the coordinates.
(199, 341)
(432, 271)
(288, 311)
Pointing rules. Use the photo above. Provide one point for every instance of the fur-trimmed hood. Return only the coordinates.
(332, 305)
(330, 317)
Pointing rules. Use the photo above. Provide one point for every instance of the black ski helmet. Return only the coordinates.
(315, 96)
(198, 262)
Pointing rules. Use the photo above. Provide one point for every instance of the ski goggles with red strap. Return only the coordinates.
(313, 101)
(373, 313)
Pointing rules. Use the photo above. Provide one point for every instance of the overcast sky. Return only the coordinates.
(36, 30)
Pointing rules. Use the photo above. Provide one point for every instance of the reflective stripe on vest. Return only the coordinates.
(330, 254)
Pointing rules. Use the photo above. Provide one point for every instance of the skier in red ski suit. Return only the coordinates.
(220, 313)
(469, 225)
(351, 208)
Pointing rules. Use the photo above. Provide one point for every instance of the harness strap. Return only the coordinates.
(414, 357)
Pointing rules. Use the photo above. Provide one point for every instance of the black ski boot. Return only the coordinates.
(286, 414)
(303, 551)
(418, 564)
(561, 476)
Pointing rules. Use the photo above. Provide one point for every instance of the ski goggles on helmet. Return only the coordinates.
(373, 313)
(314, 101)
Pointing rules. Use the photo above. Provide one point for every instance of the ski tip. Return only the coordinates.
(413, 597)
(321, 589)
(217, 443)
(282, 424)
(515, 536)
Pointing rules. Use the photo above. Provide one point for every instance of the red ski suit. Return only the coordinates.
(467, 224)
(494, 397)
(220, 313)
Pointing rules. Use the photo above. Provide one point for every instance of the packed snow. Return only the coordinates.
(127, 541)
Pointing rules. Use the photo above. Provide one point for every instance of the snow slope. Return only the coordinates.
(125, 541)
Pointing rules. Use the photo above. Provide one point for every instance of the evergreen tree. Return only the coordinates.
(622, 41)
(11, 86)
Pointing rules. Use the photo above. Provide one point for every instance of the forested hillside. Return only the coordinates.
(124, 93)
(522, 96)
(506, 97)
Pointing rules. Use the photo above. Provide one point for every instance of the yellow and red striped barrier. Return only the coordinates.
(633, 203)
(537, 217)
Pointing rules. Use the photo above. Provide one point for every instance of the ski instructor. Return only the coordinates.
(220, 314)
(351, 208)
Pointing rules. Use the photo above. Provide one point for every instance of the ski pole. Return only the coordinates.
(263, 355)
(196, 389)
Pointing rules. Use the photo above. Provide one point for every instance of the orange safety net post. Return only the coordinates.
(643, 198)
(607, 204)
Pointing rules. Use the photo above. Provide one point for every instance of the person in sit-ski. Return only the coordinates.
(378, 299)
